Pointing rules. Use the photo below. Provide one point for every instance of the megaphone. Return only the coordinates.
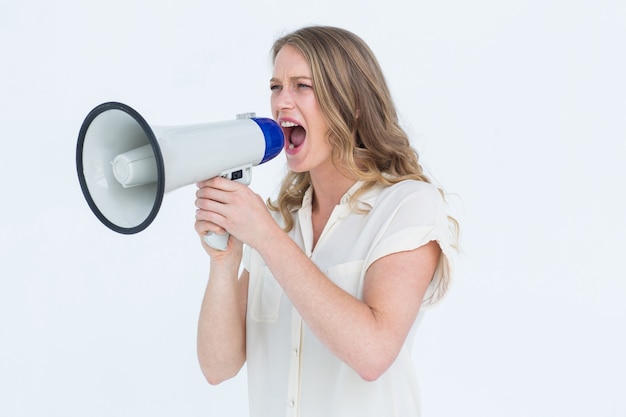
(125, 167)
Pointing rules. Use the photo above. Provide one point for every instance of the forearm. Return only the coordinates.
(338, 319)
(221, 326)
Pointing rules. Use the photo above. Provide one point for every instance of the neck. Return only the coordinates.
(328, 189)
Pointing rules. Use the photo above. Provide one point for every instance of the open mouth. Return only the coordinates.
(294, 134)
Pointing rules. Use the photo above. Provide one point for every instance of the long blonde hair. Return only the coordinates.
(364, 132)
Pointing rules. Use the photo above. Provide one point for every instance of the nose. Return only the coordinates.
(282, 100)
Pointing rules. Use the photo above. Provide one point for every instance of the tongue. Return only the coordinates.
(297, 136)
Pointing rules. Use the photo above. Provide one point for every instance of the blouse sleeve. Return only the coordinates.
(415, 214)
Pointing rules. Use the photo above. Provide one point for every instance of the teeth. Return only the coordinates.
(291, 146)
(288, 124)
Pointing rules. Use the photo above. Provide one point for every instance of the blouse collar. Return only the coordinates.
(368, 198)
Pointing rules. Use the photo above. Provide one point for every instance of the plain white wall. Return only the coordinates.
(516, 107)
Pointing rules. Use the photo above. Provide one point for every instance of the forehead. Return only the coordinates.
(290, 63)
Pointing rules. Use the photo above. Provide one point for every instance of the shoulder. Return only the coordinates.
(412, 187)
(421, 198)
(414, 213)
(397, 192)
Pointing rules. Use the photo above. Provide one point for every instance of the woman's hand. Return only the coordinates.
(228, 206)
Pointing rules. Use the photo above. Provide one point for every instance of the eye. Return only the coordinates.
(274, 87)
(303, 85)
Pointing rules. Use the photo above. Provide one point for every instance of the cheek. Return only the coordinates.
(320, 144)
(321, 133)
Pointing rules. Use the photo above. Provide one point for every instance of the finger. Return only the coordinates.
(203, 227)
(204, 190)
(210, 216)
(217, 190)
(211, 204)
(209, 183)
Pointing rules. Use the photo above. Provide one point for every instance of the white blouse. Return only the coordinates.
(290, 372)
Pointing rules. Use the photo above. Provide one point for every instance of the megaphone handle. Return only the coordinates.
(242, 175)
(216, 241)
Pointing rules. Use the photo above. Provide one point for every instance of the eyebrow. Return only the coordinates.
(295, 78)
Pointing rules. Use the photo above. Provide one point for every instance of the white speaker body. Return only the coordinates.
(125, 166)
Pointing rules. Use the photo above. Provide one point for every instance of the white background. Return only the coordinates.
(517, 108)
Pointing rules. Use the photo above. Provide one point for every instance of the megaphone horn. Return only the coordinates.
(125, 167)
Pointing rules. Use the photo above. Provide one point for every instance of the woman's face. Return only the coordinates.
(295, 108)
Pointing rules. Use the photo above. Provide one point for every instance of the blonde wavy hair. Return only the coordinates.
(364, 132)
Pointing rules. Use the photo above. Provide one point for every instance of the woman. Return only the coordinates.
(336, 271)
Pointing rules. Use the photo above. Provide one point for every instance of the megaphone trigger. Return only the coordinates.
(242, 175)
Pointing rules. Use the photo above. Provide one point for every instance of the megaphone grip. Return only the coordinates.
(216, 241)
